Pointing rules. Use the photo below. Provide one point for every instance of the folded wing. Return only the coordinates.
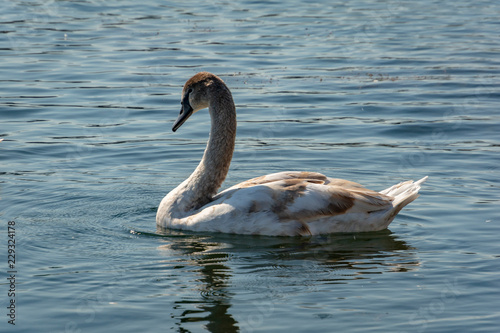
(303, 196)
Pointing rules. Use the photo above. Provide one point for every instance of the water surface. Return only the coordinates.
(370, 91)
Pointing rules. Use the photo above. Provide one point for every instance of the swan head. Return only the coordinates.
(195, 96)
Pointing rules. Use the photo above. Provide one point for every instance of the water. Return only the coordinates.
(371, 91)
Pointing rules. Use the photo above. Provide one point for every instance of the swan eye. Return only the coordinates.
(185, 101)
(186, 96)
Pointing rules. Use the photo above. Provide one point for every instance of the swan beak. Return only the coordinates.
(186, 112)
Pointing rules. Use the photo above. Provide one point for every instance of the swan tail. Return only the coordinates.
(403, 194)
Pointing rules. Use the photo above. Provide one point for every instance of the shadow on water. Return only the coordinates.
(270, 262)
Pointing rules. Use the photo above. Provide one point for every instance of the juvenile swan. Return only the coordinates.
(288, 203)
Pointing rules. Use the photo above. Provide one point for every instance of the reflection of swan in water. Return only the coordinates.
(287, 203)
(262, 261)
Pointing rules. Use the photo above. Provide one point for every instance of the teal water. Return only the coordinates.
(371, 91)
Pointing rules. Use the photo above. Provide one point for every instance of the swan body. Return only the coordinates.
(289, 203)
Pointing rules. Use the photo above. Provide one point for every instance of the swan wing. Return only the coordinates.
(300, 197)
(306, 199)
(313, 177)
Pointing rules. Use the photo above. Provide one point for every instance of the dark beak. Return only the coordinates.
(186, 112)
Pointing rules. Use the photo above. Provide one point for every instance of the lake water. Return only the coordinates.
(371, 91)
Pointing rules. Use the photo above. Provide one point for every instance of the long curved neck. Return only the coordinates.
(204, 182)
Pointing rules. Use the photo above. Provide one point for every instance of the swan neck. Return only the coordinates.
(214, 166)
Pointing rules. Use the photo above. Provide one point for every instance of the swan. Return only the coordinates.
(289, 203)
